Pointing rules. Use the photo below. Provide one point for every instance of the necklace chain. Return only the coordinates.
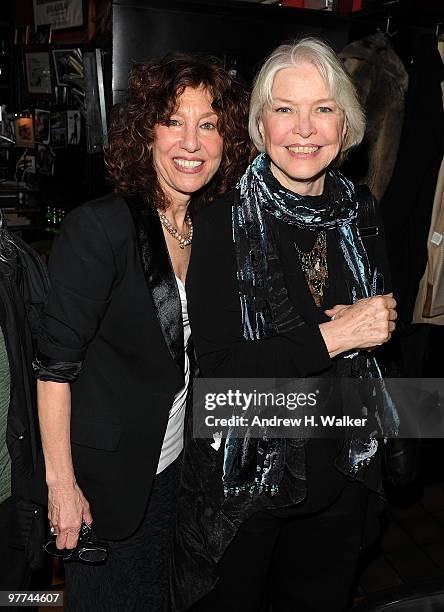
(314, 266)
(183, 239)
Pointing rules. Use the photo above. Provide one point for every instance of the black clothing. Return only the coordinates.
(321, 549)
(213, 304)
(22, 433)
(135, 576)
(114, 309)
(208, 522)
(21, 520)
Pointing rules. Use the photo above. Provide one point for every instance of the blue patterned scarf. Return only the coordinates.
(258, 465)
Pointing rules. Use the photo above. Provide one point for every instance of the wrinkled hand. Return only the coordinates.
(366, 323)
(67, 508)
(335, 312)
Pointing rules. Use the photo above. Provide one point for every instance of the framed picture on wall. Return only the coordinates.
(59, 138)
(38, 72)
(74, 126)
(68, 64)
(45, 160)
(42, 35)
(42, 122)
(61, 15)
(24, 132)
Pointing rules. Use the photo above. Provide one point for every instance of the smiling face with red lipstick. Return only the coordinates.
(187, 149)
(303, 129)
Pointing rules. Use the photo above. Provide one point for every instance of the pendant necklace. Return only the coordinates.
(314, 267)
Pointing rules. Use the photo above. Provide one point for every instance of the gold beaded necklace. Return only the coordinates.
(183, 240)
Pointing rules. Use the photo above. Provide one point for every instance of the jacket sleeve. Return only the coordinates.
(216, 320)
(82, 271)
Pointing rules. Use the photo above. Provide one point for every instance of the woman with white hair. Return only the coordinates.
(280, 286)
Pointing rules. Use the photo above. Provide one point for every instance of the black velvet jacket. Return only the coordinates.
(114, 315)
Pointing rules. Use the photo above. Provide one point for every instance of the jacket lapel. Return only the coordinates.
(159, 275)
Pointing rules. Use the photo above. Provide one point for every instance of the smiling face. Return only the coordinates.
(188, 150)
(303, 129)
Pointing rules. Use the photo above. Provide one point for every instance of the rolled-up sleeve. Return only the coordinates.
(82, 272)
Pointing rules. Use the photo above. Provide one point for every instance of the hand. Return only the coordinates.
(67, 508)
(365, 324)
(335, 312)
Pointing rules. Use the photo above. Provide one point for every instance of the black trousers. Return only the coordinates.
(301, 563)
(135, 576)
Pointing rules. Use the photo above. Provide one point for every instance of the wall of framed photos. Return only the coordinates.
(74, 21)
(53, 122)
(48, 124)
(50, 108)
(49, 144)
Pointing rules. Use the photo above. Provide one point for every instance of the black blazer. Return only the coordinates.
(114, 309)
(213, 296)
(214, 305)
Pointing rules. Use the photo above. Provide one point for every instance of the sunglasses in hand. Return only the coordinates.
(87, 550)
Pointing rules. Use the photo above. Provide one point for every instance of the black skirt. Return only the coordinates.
(135, 576)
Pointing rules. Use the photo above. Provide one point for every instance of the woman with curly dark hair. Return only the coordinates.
(113, 362)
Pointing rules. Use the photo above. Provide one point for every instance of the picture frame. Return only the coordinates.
(66, 15)
(24, 132)
(7, 129)
(45, 160)
(42, 126)
(59, 136)
(68, 66)
(74, 126)
(38, 72)
(42, 35)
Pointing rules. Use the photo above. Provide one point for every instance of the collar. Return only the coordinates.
(159, 275)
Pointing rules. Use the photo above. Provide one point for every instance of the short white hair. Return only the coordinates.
(330, 68)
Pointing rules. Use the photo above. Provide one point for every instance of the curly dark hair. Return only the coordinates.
(152, 96)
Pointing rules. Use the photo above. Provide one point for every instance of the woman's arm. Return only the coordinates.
(375, 246)
(216, 320)
(82, 272)
(67, 507)
(215, 315)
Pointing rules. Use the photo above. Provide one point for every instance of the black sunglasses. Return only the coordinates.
(86, 550)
